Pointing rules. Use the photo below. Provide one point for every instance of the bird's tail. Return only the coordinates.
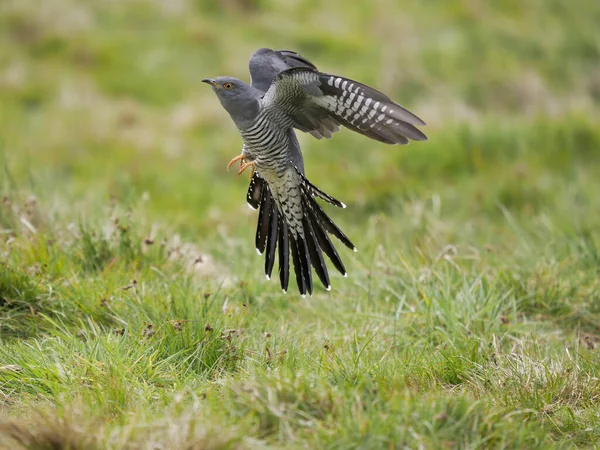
(303, 232)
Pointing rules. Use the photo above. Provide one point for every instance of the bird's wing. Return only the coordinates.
(319, 103)
(265, 64)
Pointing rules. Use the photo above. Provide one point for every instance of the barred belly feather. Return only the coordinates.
(288, 214)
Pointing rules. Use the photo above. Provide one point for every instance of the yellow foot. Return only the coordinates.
(237, 158)
(241, 158)
(245, 166)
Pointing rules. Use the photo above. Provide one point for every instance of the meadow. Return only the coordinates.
(134, 312)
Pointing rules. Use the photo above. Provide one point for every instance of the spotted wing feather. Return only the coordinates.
(319, 103)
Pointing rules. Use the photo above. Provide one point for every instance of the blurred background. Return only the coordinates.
(470, 315)
(102, 105)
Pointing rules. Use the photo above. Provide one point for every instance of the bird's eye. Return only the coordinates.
(227, 85)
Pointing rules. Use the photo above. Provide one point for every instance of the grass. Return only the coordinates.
(133, 309)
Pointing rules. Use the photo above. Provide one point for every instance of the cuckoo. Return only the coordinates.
(288, 92)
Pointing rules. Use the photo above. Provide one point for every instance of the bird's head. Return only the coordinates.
(237, 97)
(225, 85)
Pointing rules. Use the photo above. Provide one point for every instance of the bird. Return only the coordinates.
(286, 93)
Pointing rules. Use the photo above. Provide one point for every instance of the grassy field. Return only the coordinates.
(134, 313)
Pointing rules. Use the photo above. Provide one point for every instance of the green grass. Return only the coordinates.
(133, 309)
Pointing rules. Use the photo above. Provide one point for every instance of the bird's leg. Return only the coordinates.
(245, 166)
(240, 158)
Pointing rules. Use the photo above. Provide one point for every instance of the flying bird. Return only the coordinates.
(288, 92)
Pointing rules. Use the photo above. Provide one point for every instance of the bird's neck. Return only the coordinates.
(243, 110)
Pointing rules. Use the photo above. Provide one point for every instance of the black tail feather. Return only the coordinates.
(305, 261)
(306, 246)
(324, 241)
(284, 256)
(255, 191)
(271, 240)
(312, 190)
(328, 224)
(266, 204)
(300, 281)
(314, 251)
(309, 191)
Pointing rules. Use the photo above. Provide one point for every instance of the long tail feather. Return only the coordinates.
(328, 225)
(324, 241)
(266, 204)
(298, 267)
(305, 261)
(255, 191)
(316, 256)
(311, 189)
(284, 256)
(271, 240)
(306, 240)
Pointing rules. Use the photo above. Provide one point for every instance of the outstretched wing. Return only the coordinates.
(318, 103)
(265, 64)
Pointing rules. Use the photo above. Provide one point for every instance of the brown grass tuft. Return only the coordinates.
(46, 433)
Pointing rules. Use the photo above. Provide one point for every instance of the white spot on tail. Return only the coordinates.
(268, 277)
(328, 288)
(258, 252)
(251, 207)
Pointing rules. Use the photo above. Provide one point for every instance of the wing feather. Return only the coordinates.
(265, 64)
(318, 103)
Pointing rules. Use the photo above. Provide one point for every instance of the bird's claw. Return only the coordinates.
(237, 158)
(243, 166)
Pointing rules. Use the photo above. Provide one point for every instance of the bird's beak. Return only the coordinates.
(209, 81)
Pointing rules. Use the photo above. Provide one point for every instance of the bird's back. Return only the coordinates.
(265, 64)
